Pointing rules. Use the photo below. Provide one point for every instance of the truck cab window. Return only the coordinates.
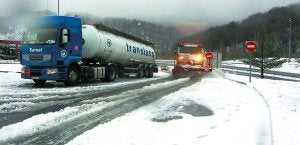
(65, 36)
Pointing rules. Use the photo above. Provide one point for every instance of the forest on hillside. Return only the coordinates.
(230, 38)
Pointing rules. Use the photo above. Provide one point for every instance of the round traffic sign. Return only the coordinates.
(209, 55)
(250, 46)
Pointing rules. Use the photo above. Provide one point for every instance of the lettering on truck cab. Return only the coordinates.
(36, 50)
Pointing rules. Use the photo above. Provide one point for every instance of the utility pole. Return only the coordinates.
(58, 7)
(262, 60)
(47, 8)
(290, 37)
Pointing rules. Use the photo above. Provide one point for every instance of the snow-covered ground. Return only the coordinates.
(283, 98)
(10, 67)
(212, 111)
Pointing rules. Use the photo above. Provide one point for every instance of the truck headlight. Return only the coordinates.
(25, 72)
(52, 71)
(181, 57)
(198, 58)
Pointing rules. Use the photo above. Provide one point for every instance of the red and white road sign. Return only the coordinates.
(209, 55)
(250, 46)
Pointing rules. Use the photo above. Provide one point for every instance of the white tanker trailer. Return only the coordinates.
(59, 48)
(101, 44)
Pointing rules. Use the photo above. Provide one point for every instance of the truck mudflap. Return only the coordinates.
(155, 69)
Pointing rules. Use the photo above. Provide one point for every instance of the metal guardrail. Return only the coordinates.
(164, 62)
(269, 72)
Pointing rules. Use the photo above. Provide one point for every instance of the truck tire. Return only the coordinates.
(110, 74)
(151, 71)
(39, 82)
(73, 76)
(146, 71)
(140, 73)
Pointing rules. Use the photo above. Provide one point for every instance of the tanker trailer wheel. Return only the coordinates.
(146, 71)
(140, 73)
(110, 74)
(39, 82)
(151, 71)
(73, 76)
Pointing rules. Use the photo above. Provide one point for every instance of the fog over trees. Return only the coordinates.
(230, 38)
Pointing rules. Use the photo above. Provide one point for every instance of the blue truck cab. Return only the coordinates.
(52, 49)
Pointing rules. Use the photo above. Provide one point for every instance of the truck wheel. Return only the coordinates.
(39, 82)
(73, 76)
(146, 71)
(151, 71)
(140, 71)
(110, 74)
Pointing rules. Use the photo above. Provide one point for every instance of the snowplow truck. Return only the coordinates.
(190, 60)
(59, 48)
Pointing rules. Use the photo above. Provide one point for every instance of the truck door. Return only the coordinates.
(64, 49)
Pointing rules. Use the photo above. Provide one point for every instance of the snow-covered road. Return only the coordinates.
(238, 116)
(157, 111)
(55, 114)
(20, 99)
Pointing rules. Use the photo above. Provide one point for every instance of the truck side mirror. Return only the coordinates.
(65, 36)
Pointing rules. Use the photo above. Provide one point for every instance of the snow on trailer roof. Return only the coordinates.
(101, 26)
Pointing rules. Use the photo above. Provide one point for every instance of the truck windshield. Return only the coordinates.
(40, 36)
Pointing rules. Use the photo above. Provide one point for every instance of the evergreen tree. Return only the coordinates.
(296, 42)
(267, 54)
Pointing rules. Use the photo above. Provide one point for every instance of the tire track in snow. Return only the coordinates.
(17, 112)
(66, 130)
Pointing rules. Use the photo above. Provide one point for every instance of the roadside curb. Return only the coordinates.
(270, 113)
(265, 102)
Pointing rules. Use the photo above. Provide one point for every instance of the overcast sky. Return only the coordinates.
(210, 12)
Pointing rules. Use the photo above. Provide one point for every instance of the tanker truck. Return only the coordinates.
(59, 48)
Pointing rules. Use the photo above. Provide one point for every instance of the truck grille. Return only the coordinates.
(36, 57)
